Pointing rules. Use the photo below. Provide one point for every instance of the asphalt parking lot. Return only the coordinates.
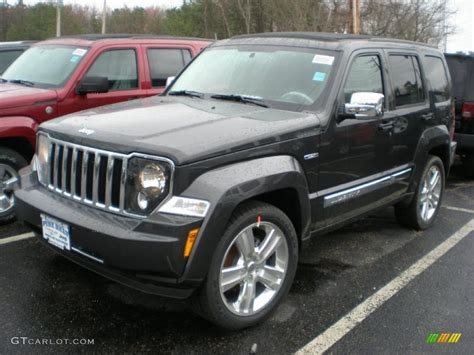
(44, 296)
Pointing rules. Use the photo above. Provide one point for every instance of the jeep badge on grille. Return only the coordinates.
(86, 131)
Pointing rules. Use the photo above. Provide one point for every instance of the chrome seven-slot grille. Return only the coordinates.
(91, 176)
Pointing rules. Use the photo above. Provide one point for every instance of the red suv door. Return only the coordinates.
(122, 68)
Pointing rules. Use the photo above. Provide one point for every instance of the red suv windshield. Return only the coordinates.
(45, 66)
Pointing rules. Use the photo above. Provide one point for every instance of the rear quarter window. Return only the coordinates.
(438, 78)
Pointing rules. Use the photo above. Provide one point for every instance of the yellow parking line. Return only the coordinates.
(346, 324)
(16, 238)
(458, 209)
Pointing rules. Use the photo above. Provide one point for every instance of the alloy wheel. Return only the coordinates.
(430, 193)
(7, 199)
(254, 268)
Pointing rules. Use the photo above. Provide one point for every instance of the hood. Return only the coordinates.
(182, 129)
(12, 95)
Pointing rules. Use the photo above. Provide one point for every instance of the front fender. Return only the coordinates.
(19, 126)
(227, 187)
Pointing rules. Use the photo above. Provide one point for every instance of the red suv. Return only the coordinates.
(60, 76)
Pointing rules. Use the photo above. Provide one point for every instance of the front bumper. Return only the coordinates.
(145, 254)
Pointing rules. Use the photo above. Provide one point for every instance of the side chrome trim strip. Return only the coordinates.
(361, 189)
(87, 255)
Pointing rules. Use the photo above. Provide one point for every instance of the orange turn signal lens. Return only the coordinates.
(192, 235)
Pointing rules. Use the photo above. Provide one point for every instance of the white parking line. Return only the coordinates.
(458, 209)
(338, 330)
(16, 238)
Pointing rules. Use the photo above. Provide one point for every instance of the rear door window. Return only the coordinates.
(166, 62)
(120, 68)
(438, 77)
(406, 80)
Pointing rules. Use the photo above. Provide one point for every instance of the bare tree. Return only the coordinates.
(246, 12)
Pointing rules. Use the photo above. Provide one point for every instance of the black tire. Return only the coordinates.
(13, 161)
(468, 164)
(410, 215)
(210, 303)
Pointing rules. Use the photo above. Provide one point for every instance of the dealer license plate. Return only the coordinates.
(56, 233)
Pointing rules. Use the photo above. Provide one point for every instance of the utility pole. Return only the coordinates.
(445, 28)
(59, 4)
(354, 6)
(104, 17)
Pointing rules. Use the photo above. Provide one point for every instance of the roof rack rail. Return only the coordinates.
(331, 37)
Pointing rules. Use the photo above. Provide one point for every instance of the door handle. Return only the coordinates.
(427, 116)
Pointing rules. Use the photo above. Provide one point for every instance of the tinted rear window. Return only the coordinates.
(461, 69)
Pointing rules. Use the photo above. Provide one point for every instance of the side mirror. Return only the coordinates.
(170, 80)
(93, 85)
(365, 105)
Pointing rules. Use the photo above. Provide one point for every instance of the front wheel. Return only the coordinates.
(252, 268)
(422, 211)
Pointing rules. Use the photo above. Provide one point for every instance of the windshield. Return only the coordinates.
(45, 66)
(279, 76)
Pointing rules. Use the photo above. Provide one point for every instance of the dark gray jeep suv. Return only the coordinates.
(260, 143)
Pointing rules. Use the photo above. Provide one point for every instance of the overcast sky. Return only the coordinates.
(114, 3)
(463, 40)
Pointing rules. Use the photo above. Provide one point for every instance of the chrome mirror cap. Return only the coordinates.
(365, 105)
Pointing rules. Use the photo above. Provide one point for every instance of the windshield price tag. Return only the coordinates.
(323, 59)
(79, 52)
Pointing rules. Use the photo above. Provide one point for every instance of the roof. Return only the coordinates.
(112, 36)
(330, 37)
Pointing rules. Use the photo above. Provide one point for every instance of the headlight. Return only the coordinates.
(42, 159)
(148, 183)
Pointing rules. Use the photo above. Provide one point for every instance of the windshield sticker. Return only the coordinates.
(79, 52)
(323, 59)
(319, 76)
(75, 59)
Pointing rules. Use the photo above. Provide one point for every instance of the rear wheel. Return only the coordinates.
(252, 268)
(423, 209)
(10, 163)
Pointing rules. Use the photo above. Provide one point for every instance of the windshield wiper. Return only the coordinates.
(22, 82)
(186, 93)
(241, 98)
